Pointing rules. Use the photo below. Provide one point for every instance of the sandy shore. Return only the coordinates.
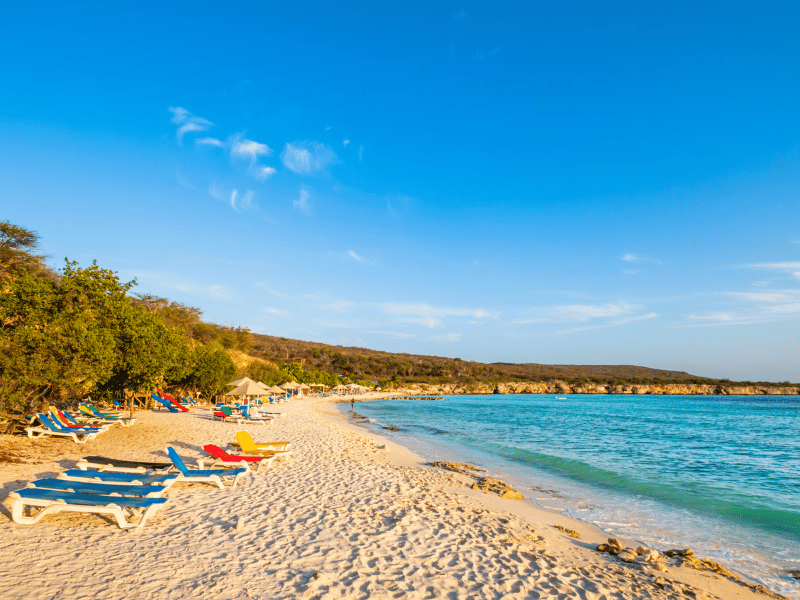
(343, 518)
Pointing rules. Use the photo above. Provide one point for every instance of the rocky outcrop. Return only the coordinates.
(684, 558)
(486, 484)
(501, 488)
(556, 386)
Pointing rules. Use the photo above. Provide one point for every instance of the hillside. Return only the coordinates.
(402, 368)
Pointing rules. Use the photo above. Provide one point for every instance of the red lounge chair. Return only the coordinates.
(223, 459)
(177, 404)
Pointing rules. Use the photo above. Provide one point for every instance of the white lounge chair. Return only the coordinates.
(53, 501)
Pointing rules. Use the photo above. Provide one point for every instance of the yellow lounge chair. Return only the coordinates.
(245, 441)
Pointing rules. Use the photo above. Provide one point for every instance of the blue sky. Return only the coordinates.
(561, 182)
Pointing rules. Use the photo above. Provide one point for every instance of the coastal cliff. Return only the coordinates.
(556, 386)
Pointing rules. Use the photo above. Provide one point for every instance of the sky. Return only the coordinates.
(548, 182)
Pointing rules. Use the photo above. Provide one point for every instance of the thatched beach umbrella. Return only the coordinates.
(248, 388)
(240, 381)
(291, 385)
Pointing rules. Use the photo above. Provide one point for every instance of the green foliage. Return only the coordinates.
(16, 247)
(212, 369)
(150, 353)
(55, 339)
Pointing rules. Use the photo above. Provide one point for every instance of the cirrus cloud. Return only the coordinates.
(307, 157)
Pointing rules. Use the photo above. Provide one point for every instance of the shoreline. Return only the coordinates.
(594, 530)
(342, 518)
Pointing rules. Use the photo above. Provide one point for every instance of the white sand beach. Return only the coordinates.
(342, 518)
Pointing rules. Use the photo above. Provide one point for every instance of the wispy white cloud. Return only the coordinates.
(215, 193)
(275, 311)
(233, 197)
(610, 313)
(446, 337)
(398, 335)
(263, 173)
(307, 157)
(183, 181)
(169, 281)
(609, 323)
(752, 308)
(354, 256)
(427, 311)
(208, 141)
(791, 268)
(638, 258)
(188, 122)
(631, 271)
(429, 322)
(345, 142)
(360, 153)
(302, 203)
(244, 148)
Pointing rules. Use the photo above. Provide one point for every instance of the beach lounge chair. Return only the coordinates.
(225, 413)
(90, 421)
(111, 417)
(53, 501)
(61, 420)
(102, 463)
(169, 398)
(117, 478)
(204, 475)
(91, 487)
(47, 427)
(165, 403)
(247, 418)
(272, 446)
(223, 459)
(248, 446)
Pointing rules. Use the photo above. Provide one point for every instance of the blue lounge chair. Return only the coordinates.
(91, 410)
(53, 501)
(204, 475)
(166, 404)
(79, 436)
(118, 478)
(106, 489)
(250, 419)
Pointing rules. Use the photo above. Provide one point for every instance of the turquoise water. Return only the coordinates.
(720, 474)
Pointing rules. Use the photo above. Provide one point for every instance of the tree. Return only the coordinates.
(16, 247)
(149, 353)
(213, 368)
(57, 338)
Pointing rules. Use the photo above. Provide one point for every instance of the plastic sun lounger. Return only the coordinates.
(90, 487)
(248, 446)
(49, 428)
(223, 459)
(204, 475)
(226, 414)
(165, 403)
(102, 463)
(61, 420)
(117, 478)
(88, 421)
(53, 501)
(249, 419)
(98, 413)
(274, 446)
(169, 398)
(116, 418)
(111, 419)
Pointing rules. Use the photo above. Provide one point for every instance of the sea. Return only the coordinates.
(718, 474)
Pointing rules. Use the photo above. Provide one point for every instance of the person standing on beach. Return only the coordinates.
(352, 405)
